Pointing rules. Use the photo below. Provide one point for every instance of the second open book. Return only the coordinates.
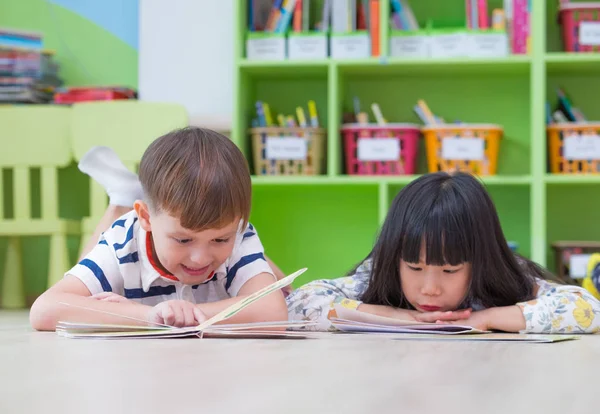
(348, 320)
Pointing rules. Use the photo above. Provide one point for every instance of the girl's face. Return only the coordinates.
(431, 288)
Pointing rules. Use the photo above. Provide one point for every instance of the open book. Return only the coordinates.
(348, 320)
(205, 329)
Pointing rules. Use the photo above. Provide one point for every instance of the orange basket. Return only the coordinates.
(574, 148)
(463, 147)
(288, 150)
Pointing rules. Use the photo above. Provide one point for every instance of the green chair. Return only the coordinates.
(128, 127)
(33, 137)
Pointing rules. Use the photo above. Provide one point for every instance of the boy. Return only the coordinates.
(182, 255)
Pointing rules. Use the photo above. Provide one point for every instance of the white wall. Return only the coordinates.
(186, 56)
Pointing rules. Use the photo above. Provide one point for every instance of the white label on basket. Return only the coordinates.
(462, 149)
(578, 265)
(286, 148)
(589, 33)
(581, 147)
(378, 149)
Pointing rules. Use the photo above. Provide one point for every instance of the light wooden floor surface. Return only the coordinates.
(43, 373)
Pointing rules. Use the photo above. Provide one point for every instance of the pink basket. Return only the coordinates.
(362, 155)
(570, 17)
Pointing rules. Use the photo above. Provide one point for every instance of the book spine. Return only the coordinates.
(468, 14)
(298, 16)
(306, 15)
(474, 14)
(519, 40)
(374, 27)
(483, 15)
(339, 16)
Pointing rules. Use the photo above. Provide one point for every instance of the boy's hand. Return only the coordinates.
(178, 313)
(110, 297)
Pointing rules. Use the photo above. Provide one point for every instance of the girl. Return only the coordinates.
(441, 257)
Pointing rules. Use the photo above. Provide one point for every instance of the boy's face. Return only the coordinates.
(189, 256)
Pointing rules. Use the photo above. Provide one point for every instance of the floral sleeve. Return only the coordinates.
(561, 309)
(313, 301)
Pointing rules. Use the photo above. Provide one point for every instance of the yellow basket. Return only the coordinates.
(559, 164)
(485, 163)
(272, 159)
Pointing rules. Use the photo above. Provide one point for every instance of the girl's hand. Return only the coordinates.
(451, 317)
(110, 297)
(178, 313)
(506, 319)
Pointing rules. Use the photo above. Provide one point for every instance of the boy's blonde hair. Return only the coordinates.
(199, 176)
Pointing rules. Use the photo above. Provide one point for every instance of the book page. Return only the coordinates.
(351, 320)
(80, 330)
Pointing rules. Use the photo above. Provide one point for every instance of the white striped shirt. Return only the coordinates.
(121, 263)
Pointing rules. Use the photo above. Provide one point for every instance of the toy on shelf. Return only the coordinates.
(580, 24)
(381, 148)
(572, 258)
(573, 141)
(459, 147)
(591, 282)
(292, 147)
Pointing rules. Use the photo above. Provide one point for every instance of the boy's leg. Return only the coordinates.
(122, 186)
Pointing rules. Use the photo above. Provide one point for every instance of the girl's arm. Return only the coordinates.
(313, 301)
(561, 309)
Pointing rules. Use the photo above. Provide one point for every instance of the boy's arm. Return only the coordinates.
(97, 272)
(271, 308)
(47, 310)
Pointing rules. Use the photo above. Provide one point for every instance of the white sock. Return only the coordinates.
(104, 166)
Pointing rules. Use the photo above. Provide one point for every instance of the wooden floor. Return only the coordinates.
(42, 373)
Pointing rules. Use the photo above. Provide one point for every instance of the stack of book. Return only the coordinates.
(27, 73)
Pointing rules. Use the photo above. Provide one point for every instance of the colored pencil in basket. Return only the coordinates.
(267, 112)
(291, 122)
(281, 120)
(312, 112)
(426, 111)
(301, 117)
(420, 114)
(261, 114)
(356, 103)
(362, 118)
(378, 115)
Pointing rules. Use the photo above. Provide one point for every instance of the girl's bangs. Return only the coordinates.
(443, 234)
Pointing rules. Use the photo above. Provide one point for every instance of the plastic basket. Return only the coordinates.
(565, 255)
(477, 154)
(288, 150)
(571, 15)
(568, 145)
(380, 150)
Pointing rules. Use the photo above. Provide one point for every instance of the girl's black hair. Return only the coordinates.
(454, 219)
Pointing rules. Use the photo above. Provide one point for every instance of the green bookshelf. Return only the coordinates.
(328, 223)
